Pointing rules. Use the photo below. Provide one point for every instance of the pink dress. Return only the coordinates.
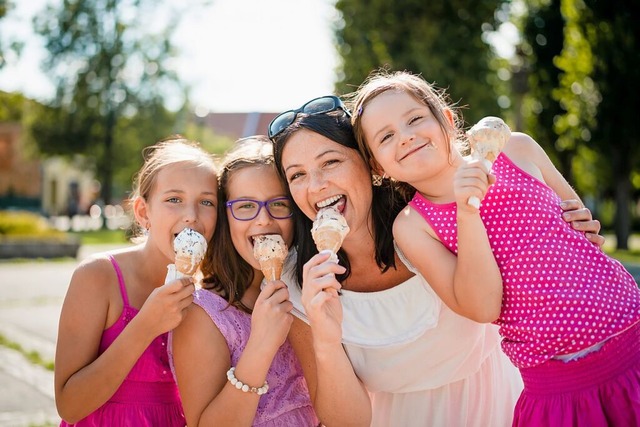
(565, 304)
(149, 396)
(287, 403)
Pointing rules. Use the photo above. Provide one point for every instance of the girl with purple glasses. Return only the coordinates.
(231, 358)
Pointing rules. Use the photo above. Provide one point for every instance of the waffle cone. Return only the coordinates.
(271, 268)
(326, 238)
(185, 266)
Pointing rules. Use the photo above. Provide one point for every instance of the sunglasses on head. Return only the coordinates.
(323, 104)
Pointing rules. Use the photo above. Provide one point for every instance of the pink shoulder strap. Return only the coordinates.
(123, 290)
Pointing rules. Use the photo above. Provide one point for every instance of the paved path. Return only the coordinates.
(31, 295)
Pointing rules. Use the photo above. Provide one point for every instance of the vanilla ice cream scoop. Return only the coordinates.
(190, 248)
(329, 230)
(270, 250)
(487, 138)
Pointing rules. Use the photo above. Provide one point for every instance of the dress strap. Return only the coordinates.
(123, 290)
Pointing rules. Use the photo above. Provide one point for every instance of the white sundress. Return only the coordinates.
(422, 364)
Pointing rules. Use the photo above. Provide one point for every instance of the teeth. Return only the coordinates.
(328, 201)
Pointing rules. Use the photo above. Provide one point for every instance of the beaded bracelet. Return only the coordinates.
(244, 387)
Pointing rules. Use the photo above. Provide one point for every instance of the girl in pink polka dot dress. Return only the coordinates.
(568, 314)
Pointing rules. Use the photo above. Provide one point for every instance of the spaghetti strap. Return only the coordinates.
(123, 290)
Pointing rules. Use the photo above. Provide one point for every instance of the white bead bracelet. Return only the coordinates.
(244, 387)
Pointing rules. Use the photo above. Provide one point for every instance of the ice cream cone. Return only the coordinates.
(271, 268)
(270, 251)
(190, 248)
(487, 138)
(328, 239)
(329, 230)
(186, 266)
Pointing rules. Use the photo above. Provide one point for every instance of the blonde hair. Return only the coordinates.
(168, 151)
(383, 80)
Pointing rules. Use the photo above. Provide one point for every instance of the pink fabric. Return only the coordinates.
(148, 396)
(287, 403)
(562, 294)
(598, 390)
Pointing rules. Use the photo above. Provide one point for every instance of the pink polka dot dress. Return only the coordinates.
(562, 294)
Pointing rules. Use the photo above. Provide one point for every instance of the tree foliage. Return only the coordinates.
(612, 32)
(107, 65)
(444, 41)
(582, 55)
(5, 7)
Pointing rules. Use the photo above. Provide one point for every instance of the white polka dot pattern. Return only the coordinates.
(561, 293)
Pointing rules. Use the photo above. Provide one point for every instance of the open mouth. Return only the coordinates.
(252, 239)
(338, 201)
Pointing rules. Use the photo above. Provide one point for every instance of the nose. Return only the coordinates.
(317, 181)
(407, 137)
(190, 214)
(263, 216)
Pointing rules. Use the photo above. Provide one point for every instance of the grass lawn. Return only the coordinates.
(629, 256)
(101, 236)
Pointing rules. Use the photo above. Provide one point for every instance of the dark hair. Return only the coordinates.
(386, 204)
(225, 271)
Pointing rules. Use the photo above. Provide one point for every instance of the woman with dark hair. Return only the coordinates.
(377, 345)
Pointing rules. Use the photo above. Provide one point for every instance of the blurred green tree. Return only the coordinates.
(107, 65)
(444, 41)
(612, 32)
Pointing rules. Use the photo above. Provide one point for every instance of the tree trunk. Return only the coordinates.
(623, 214)
(107, 161)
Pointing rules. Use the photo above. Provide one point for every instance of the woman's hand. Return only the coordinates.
(321, 299)
(581, 219)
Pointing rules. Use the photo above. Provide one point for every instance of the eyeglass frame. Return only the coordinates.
(261, 204)
(337, 105)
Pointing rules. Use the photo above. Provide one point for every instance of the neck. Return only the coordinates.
(251, 294)
(438, 188)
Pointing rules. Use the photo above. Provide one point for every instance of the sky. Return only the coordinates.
(236, 55)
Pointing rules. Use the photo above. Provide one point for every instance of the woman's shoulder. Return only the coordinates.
(522, 146)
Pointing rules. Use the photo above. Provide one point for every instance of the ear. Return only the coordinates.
(448, 114)
(141, 211)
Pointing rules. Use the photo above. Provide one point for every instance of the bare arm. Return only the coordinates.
(201, 359)
(470, 284)
(84, 380)
(338, 396)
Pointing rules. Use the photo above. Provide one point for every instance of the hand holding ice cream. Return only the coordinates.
(487, 138)
(270, 250)
(189, 247)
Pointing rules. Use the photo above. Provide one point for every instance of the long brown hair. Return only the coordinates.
(225, 271)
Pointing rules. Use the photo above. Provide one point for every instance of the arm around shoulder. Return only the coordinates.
(527, 154)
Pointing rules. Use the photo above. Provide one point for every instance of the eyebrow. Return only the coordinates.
(212, 193)
(324, 153)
